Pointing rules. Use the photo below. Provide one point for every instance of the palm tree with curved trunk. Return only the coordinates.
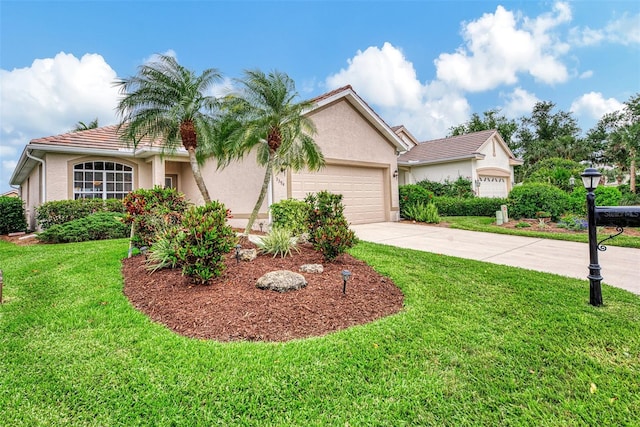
(275, 124)
(168, 102)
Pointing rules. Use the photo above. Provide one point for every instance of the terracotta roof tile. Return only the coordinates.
(104, 138)
(447, 148)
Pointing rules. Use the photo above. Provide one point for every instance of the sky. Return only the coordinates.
(427, 65)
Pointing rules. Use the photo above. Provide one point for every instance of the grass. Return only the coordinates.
(487, 224)
(477, 344)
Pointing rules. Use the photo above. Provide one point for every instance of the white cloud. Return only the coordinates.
(624, 30)
(386, 79)
(586, 74)
(593, 105)
(518, 103)
(50, 97)
(500, 46)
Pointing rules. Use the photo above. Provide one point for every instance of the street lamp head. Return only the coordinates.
(590, 178)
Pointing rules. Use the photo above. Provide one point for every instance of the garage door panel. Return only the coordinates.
(493, 186)
(362, 190)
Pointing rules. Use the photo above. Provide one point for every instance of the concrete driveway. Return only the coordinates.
(620, 266)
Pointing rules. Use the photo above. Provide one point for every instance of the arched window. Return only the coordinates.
(102, 180)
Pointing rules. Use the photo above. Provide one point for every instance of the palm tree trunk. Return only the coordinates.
(197, 175)
(263, 193)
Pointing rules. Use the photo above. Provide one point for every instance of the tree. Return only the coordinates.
(80, 126)
(620, 133)
(491, 120)
(168, 102)
(546, 134)
(274, 123)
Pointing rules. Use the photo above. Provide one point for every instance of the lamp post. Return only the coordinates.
(590, 179)
(346, 274)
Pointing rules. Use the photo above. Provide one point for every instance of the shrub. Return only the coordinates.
(523, 224)
(279, 241)
(555, 171)
(605, 196)
(528, 199)
(423, 213)
(411, 194)
(573, 222)
(207, 238)
(12, 217)
(290, 214)
(164, 252)
(62, 211)
(476, 206)
(461, 187)
(328, 229)
(152, 212)
(98, 226)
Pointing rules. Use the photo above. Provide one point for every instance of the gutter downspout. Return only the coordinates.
(43, 177)
(18, 188)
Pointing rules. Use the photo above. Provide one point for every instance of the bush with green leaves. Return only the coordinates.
(555, 171)
(279, 241)
(97, 226)
(207, 238)
(605, 196)
(410, 194)
(422, 212)
(573, 222)
(12, 218)
(476, 206)
(290, 214)
(62, 211)
(152, 211)
(461, 187)
(164, 251)
(526, 200)
(328, 228)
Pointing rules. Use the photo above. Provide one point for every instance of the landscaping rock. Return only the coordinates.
(248, 254)
(282, 281)
(312, 268)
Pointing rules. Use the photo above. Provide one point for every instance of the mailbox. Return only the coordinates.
(618, 216)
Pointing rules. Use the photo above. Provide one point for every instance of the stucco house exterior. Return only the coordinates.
(482, 157)
(360, 149)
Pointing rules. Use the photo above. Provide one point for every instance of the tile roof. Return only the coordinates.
(455, 147)
(103, 138)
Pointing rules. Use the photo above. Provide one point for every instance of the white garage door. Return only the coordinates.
(493, 186)
(362, 190)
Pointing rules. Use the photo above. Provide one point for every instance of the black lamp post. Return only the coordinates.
(590, 179)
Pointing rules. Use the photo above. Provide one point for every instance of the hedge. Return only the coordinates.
(62, 211)
(475, 206)
(12, 217)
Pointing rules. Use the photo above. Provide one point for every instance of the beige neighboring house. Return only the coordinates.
(360, 149)
(10, 193)
(482, 157)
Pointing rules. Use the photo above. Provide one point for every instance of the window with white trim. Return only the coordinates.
(102, 180)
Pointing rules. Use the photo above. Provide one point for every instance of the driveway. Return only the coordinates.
(620, 266)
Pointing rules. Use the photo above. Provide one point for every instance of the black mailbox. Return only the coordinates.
(618, 216)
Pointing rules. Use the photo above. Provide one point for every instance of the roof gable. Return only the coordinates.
(460, 147)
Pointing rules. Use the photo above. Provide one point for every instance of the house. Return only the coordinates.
(482, 157)
(10, 193)
(360, 150)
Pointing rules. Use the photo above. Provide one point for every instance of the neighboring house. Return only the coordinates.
(360, 149)
(11, 193)
(482, 157)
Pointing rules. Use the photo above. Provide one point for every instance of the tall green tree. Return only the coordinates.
(491, 119)
(168, 102)
(275, 124)
(80, 126)
(545, 134)
(620, 134)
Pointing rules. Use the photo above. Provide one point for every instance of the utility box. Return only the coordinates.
(499, 218)
(618, 216)
(505, 216)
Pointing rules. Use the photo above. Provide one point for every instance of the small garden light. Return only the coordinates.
(346, 274)
(572, 181)
(238, 247)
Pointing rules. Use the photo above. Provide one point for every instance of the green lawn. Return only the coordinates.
(477, 344)
(487, 224)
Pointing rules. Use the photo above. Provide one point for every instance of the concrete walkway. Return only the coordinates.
(620, 266)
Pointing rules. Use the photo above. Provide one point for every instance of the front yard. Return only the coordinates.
(476, 344)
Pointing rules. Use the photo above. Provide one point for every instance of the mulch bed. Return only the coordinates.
(231, 308)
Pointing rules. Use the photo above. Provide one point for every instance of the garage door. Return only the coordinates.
(493, 186)
(362, 190)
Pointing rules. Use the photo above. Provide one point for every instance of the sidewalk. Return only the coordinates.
(620, 266)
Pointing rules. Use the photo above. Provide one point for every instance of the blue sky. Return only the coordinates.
(425, 64)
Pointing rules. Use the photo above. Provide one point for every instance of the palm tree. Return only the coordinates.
(168, 102)
(80, 126)
(276, 124)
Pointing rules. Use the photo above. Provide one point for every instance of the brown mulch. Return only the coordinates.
(231, 308)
